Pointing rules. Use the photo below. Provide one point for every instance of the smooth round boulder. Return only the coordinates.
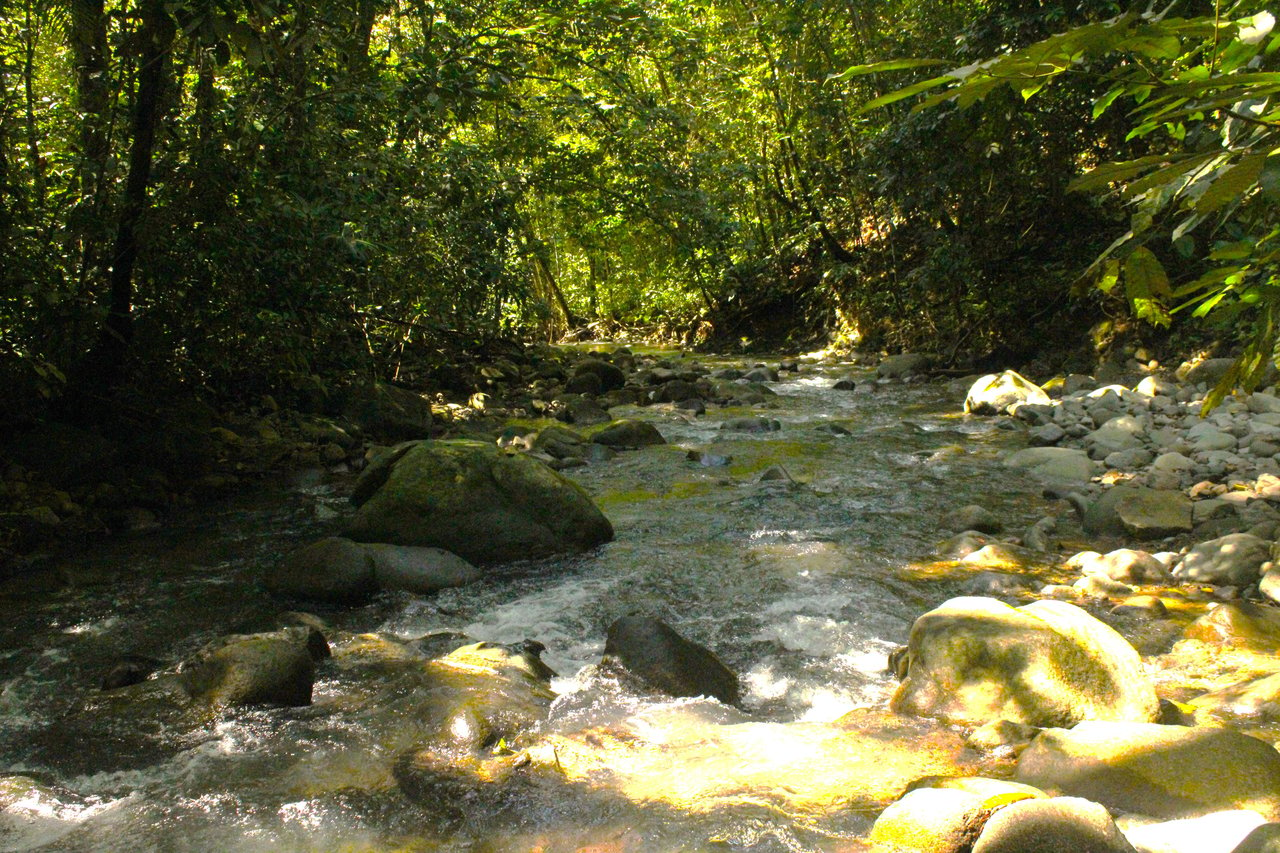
(419, 570)
(931, 820)
(1264, 839)
(487, 507)
(1055, 465)
(1048, 663)
(903, 365)
(656, 654)
(1124, 565)
(610, 375)
(1235, 560)
(1217, 832)
(999, 393)
(333, 569)
(1157, 770)
(275, 668)
(1055, 825)
(1240, 624)
(627, 434)
(1137, 511)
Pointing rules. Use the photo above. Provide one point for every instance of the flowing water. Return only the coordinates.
(800, 586)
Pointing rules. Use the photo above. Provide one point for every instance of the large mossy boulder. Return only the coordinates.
(1048, 663)
(1156, 770)
(469, 498)
(657, 655)
(387, 410)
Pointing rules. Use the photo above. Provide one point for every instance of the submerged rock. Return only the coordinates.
(652, 651)
(468, 498)
(1157, 770)
(1047, 663)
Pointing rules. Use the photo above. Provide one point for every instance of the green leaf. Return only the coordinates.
(1231, 184)
(1101, 104)
(902, 94)
(1109, 173)
(876, 67)
(1110, 275)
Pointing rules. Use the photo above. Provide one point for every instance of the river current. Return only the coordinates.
(801, 585)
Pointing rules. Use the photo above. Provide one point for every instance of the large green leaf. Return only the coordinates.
(876, 67)
(1109, 173)
(902, 94)
(1232, 184)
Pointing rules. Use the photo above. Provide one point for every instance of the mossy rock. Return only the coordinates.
(468, 498)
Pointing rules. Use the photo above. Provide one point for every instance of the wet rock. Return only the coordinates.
(466, 497)
(1055, 825)
(1217, 832)
(419, 570)
(584, 383)
(342, 571)
(332, 569)
(997, 394)
(652, 651)
(130, 670)
(845, 385)
(609, 375)
(708, 460)
(699, 767)
(751, 425)
(627, 434)
(973, 517)
(1233, 559)
(932, 820)
(1001, 733)
(996, 583)
(1097, 586)
(903, 365)
(1240, 624)
(761, 374)
(1157, 770)
(276, 668)
(577, 409)
(973, 660)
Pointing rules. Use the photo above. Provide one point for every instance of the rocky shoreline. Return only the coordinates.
(1109, 681)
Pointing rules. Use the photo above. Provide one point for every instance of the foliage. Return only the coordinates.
(1198, 93)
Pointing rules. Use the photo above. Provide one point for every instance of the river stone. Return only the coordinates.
(627, 434)
(1264, 839)
(1209, 370)
(997, 394)
(610, 375)
(1124, 565)
(484, 506)
(751, 425)
(1055, 825)
(275, 668)
(653, 652)
(903, 365)
(931, 820)
(1154, 386)
(1235, 559)
(696, 766)
(1157, 770)
(1047, 663)
(1138, 511)
(972, 517)
(387, 410)
(1240, 624)
(1216, 832)
(1053, 464)
(1255, 699)
(333, 569)
(419, 570)
(585, 382)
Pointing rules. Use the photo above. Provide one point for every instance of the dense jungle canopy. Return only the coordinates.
(235, 196)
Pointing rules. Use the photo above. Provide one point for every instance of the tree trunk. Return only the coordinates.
(103, 369)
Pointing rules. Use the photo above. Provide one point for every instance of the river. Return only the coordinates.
(801, 586)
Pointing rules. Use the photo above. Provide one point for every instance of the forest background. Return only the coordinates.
(233, 198)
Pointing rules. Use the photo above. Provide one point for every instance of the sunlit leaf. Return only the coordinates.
(1231, 184)
(876, 67)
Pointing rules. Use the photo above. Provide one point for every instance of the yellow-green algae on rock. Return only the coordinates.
(861, 762)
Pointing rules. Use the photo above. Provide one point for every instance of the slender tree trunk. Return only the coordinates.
(103, 368)
(29, 90)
